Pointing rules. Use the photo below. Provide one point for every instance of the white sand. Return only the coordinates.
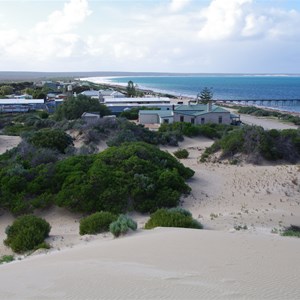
(162, 264)
(8, 142)
(221, 263)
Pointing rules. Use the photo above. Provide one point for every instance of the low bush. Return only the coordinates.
(181, 153)
(6, 259)
(172, 218)
(51, 138)
(252, 110)
(96, 223)
(258, 144)
(181, 211)
(27, 233)
(293, 231)
(122, 225)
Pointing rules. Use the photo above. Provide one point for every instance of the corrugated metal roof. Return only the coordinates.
(90, 93)
(20, 101)
(161, 113)
(137, 100)
(198, 109)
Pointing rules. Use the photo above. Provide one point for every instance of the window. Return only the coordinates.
(202, 120)
(166, 121)
(181, 118)
(220, 120)
(193, 120)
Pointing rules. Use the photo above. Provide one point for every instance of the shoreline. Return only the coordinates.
(104, 81)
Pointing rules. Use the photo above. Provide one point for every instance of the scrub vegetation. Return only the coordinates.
(177, 217)
(257, 144)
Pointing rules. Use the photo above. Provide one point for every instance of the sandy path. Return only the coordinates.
(267, 123)
(8, 142)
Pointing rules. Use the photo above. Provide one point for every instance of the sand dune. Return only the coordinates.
(162, 264)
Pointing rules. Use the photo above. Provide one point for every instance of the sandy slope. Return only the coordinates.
(162, 264)
(225, 196)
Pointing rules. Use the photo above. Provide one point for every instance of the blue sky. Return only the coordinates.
(232, 36)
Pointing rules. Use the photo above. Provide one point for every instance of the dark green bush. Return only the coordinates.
(293, 231)
(132, 176)
(43, 115)
(51, 138)
(26, 233)
(172, 218)
(96, 223)
(181, 153)
(122, 225)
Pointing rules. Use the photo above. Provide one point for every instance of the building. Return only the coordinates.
(102, 94)
(156, 116)
(191, 113)
(202, 114)
(118, 105)
(20, 105)
(91, 94)
(24, 96)
(110, 94)
(90, 118)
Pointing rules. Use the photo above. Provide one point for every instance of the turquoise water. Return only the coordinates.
(225, 87)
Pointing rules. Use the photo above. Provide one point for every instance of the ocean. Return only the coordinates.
(225, 87)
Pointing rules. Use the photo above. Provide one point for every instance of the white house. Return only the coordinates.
(155, 116)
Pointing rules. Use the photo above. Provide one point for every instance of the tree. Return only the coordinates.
(74, 107)
(205, 95)
(131, 91)
(6, 90)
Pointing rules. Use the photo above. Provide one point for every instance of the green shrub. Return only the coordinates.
(6, 259)
(51, 138)
(258, 143)
(26, 233)
(122, 225)
(181, 211)
(42, 245)
(96, 223)
(293, 231)
(43, 115)
(181, 153)
(172, 218)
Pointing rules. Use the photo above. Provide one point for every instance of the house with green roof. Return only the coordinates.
(191, 113)
(202, 114)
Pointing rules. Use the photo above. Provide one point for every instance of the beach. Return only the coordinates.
(239, 254)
